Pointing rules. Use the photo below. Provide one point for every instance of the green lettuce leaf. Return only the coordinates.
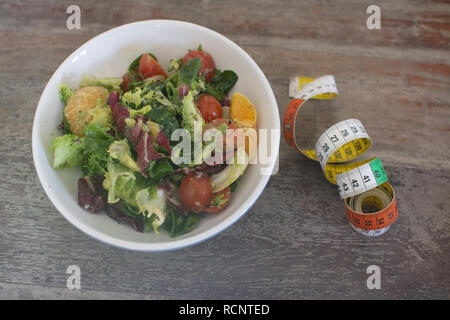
(136, 98)
(120, 150)
(231, 172)
(68, 151)
(171, 90)
(97, 142)
(190, 113)
(119, 182)
(174, 65)
(66, 124)
(139, 112)
(112, 84)
(148, 98)
(64, 93)
(152, 202)
(162, 99)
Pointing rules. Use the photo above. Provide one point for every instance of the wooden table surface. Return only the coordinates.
(295, 242)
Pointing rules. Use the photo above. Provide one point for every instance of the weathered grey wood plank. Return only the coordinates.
(27, 292)
(295, 242)
(276, 251)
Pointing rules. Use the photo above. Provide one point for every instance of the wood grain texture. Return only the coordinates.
(295, 242)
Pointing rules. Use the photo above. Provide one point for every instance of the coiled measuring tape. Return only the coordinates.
(370, 200)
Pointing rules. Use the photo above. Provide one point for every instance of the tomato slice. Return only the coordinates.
(209, 107)
(149, 67)
(219, 201)
(207, 67)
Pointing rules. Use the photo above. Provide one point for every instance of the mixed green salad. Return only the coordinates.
(118, 131)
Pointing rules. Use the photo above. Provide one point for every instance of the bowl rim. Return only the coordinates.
(177, 243)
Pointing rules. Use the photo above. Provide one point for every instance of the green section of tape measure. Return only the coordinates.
(378, 171)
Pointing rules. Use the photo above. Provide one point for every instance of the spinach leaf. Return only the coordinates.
(129, 210)
(140, 221)
(153, 85)
(224, 81)
(233, 185)
(177, 224)
(164, 117)
(189, 70)
(214, 92)
(158, 168)
(135, 64)
(221, 83)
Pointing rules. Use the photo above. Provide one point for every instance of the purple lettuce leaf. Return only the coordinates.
(133, 134)
(115, 213)
(146, 152)
(90, 193)
(162, 140)
(119, 112)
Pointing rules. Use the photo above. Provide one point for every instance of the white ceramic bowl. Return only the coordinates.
(109, 54)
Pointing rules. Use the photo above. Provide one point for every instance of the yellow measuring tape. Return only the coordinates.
(370, 201)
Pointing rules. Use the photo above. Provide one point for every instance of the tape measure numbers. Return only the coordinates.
(370, 200)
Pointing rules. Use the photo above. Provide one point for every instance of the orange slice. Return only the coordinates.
(242, 111)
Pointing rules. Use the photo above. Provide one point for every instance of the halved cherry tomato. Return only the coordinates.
(219, 201)
(222, 125)
(149, 67)
(209, 107)
(196, 191)
(207, 67)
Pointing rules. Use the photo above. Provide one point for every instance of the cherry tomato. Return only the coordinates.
(149, 67)
(222, 125)
(219, 201)
(209, 107)
(196, 191)
(207, 67)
